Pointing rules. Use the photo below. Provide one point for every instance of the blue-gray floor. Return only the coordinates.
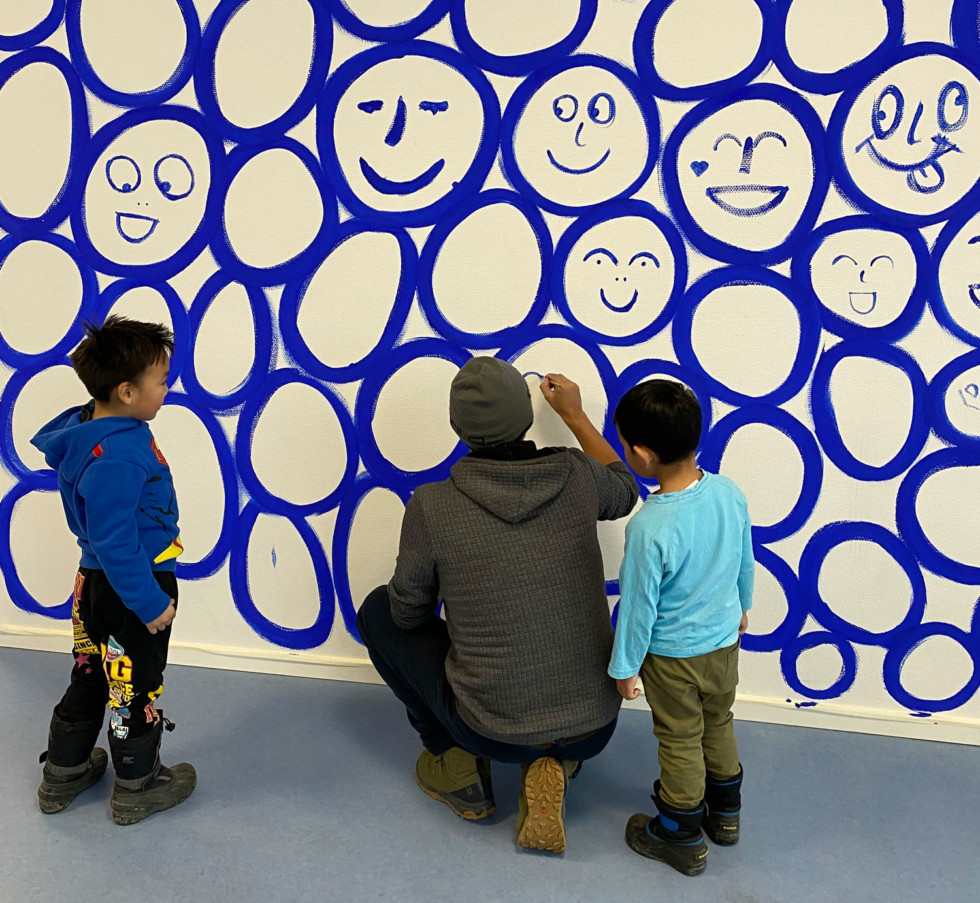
(306, 792)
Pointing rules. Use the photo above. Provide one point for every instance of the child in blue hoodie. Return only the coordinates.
(119, 499)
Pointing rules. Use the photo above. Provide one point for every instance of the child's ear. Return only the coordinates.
(646, 455)
(124, 393)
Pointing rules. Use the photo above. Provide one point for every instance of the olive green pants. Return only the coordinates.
(691, 700)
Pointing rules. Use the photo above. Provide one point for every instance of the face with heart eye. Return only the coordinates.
(911, 141)
(146, 195)
(959, 277)
(866, 276)
(750, 161)
(581, 138)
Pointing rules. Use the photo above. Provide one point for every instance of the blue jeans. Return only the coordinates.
(413, 664)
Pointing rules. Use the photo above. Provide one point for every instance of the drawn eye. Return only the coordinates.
(883, 257)
(954, 107)
(841, 257)
(602, 109)
(887, 111)
(434, 106)
(565, 107)
(599, 254)
(174, 177)
(643, 258)
(123, 174)
(370, 106)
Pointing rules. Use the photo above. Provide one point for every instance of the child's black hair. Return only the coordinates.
(661, 415)
(118, 351)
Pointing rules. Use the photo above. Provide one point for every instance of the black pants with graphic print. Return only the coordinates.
(116, 660)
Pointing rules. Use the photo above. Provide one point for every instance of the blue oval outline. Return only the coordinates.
(86, 72)
(44, 29)
(936, 401)
(897, 655)
(796, 610)
(792, 651)
(404, 31)
(825, 422)
(433, 247)
(937, 303)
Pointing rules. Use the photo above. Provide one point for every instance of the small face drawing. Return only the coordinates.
(406, 132)
(970, 395)
(866, 276)
(147, 192)
(911, 141)
(959, 277)
(582, 138)
(748, 161)
(619, 275)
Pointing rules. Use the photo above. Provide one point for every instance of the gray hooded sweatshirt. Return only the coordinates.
(511, 547)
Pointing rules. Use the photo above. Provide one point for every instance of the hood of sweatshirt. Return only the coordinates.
(513, 491)
(68, 441)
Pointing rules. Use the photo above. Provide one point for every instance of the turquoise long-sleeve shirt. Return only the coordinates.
(686, 575)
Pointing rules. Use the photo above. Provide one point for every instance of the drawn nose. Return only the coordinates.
(747, 150)
(578, 133)
(911, 139)
(862, 276)
(397, 125)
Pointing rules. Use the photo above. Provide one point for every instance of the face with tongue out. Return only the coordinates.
(911, 140)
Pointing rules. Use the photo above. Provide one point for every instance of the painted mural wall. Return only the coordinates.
(335, 203)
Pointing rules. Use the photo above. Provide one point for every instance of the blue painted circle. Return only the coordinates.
(936, 401)
(90, 288)
(937, 302)
(804, 113)
(70, 195)
(964, 26)
(602, 213)
(205, 86)
(898, 654)
(430, 254)
(215, 557)
(828, 538)
(825, 419)
(858, 73)
(349, 504)
(911, 530)
(521, 63)
(262, 345)
(294, 293)
(743, 275)
(298, 266)
(790, 655)
(796, 611)
(254, 406)
(180, 76)
(175, 307)
(44, 29)
(646, 65)
(367, 399)
(519, 100)
(469, 184)
(911, 314)
(15, 588)
(45, 478)
(287, 637)
(403, 31)
(835, 148)
(721, 434)
(188, 252)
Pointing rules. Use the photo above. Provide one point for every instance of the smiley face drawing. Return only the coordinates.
(909, 142)
(743, 176)
(617, 272)
(957, 262)
(406, 131)
(149, 195)
(578, 133)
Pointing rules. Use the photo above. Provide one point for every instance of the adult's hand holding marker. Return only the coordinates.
(565, 398)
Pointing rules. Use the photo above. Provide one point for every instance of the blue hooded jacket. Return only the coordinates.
(119, 499)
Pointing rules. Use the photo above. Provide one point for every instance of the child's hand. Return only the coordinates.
(743, 625)
(562, 394)
(164, 621)
(627, 687)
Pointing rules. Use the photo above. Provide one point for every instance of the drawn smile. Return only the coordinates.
(622, 309)
(577, 172)
(863, 302)
(389, 186)
(926, 176)
(747, 200)
(140, 228)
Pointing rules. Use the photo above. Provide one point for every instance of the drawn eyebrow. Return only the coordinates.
(723, 137)
(370, 106)
(434, 106)
(761, 135)
(974, 240)
(882, 257)
(647, 254)
(840, 257)
(608, 254)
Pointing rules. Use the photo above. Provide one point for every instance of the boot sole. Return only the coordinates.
(469, 814)
(52, 798)
(544, 826)
(677, 857)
